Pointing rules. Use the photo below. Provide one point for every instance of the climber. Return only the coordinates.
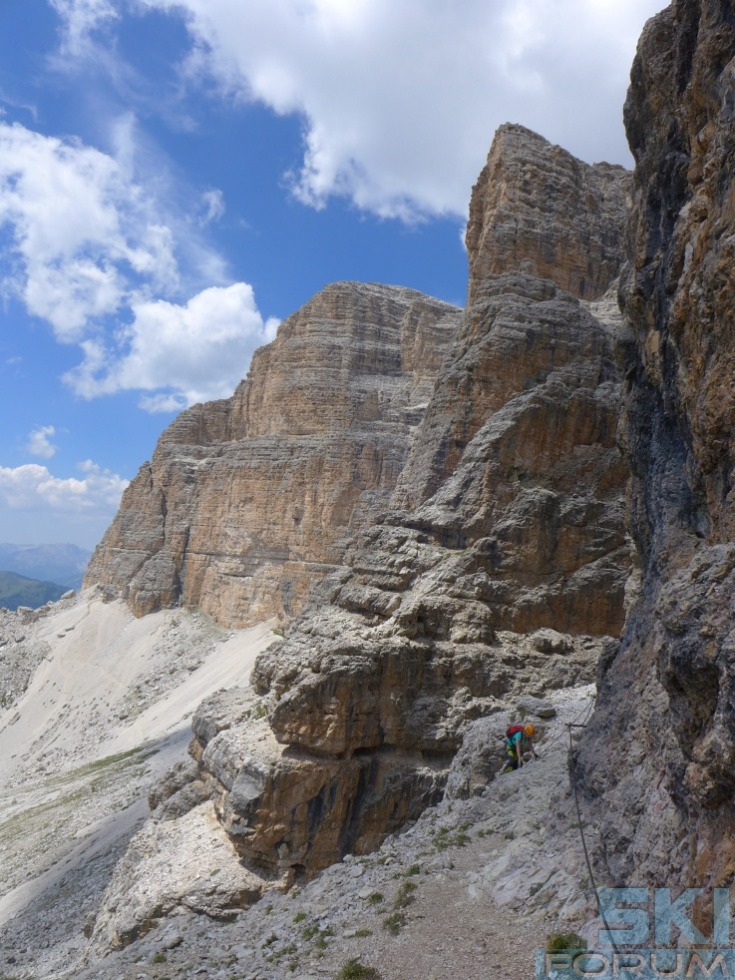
(518, 739)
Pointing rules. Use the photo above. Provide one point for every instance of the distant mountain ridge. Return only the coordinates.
(60, 564)
(18, 590)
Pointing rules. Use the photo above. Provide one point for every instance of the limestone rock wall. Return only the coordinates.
(537, 209)
(659, 761)
(246, 502)
(507, 520)
(538, 216)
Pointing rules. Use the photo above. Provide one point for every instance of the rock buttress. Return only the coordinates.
(659, 758)
(246, 502)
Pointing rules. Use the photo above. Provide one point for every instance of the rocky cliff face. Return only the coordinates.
(538, 210)
(246, 502)
(661, 752)
(500, 566)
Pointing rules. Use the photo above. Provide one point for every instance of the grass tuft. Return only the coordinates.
(355, 970)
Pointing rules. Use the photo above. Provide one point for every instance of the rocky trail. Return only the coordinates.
(471, 889)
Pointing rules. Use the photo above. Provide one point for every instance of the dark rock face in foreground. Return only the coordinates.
(507, 518)
(661, 750)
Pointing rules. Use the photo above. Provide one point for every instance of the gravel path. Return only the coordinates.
(472, 890)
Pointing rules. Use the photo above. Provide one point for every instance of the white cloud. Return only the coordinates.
(197, 351)
(33, 486)
(81, 19)
(162, 403)
(84, 238)
(39, 442)
(89, 251)
(213, 206)
(401, 99)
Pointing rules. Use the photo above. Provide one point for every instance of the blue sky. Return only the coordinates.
(177, 177)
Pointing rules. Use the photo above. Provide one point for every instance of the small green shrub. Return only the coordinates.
(159, 958)
(405, 895)
(299, 917)
(320, 936)
(393, 922)
(354, 970)
(559, 941)
(444, 839)
(415, 869)
(376, 898)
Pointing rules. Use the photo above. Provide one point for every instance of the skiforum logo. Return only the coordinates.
(636, 943)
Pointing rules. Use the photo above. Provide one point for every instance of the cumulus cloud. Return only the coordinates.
(198, 351)
(93, 254)
(84, 238)
(400, 100)
(32, 486)
(39, 442)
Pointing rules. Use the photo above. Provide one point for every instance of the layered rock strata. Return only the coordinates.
(507, 520)
(660, 755)
(539, 210)
(245, 502)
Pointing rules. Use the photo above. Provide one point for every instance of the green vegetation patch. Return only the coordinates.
(393, 922)
(17, 590)
(444, 838)
(405, 895)
(559, 941)
(355, 970)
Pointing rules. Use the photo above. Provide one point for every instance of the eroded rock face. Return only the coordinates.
(291, 812)
(507, 519)
(536, 209)
(538, 217)
(288, 813)
(473, 462)
(661, 751)
(246, 501)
